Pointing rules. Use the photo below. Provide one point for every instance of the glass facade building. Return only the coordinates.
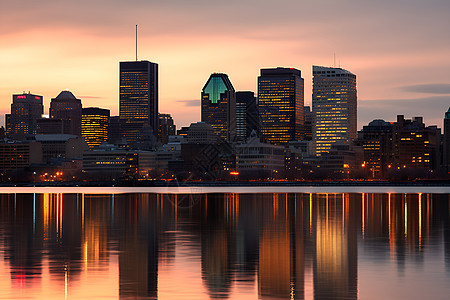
(25, 110)
(138, 98)
(280, 104)
(94, 126)
(219, 106)
(334, 107)
(67, 108)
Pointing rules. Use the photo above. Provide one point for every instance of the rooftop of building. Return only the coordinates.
(65, 95)
(279, 71)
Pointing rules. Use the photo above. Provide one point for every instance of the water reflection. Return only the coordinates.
(267, 246)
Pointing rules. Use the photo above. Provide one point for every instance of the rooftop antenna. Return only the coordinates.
(334, 60)
(136, 42)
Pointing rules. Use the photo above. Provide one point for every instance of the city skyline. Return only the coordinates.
(402, 68)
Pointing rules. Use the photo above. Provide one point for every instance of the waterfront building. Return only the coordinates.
(67, 108)
(166, 128)
(377, 144)
(18, 155)
(247, 118)
(258, 160)
(25, 110)
(110, 162)
(138, 99)
(280, 104)
(59, 147)
(446, 156)
(334, 107)
(219, 106)
(94, 125)
(416, 145)
(114, 135)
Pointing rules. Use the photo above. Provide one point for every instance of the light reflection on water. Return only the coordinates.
(236, 246)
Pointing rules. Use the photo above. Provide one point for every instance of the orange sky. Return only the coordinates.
(398, 49)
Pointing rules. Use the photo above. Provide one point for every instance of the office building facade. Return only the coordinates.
(138, 98)
(94, 126)
(247, 117)
(334, 104)
(446, 156)
(166, 128)
(219, 106)
(25, 110)
(280, 104)
(67, 108)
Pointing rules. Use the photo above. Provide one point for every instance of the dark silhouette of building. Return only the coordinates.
(25, 110)
(399, 147)
(166, 128)
(376, 141)
(219, 106)
(247, 117)
(114, 135)
(447, 140)
(280, 104)
(50, 126)
(334, 107)
(416, 145)
(67, 108)
(309, 119)
(94, 125)
(138, 98)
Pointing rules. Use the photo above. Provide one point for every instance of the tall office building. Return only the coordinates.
(166, 128)
(67, 108)
(25, 110)
(94, 126)
(138, 98)
(247, 118)
(334, 107)
(447, 140)
(219, 106)
(280, 103)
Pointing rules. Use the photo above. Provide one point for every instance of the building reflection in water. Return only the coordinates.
(280, 246)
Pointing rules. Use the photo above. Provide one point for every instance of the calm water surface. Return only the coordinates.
(225, 245)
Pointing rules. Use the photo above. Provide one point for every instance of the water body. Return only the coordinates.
(234, 244)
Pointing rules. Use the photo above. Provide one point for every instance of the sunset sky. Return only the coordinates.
(399, 49)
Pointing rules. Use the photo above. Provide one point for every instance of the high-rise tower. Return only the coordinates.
(447, 140)
(280, 103)
(67, 108)
(138, 98)
(25, 110)
(247, 118)
(334, 107)
(219, 106)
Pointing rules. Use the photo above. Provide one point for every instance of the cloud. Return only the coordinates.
(90, 97)
(434, 88)
(190, 102)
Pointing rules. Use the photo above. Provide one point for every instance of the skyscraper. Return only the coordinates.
(138, 98)
(25, 110)
(447, 140)
(67, 108)
(280, 103)
(247, 118)
(219, 106)
(94, 126)
(334, 107)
